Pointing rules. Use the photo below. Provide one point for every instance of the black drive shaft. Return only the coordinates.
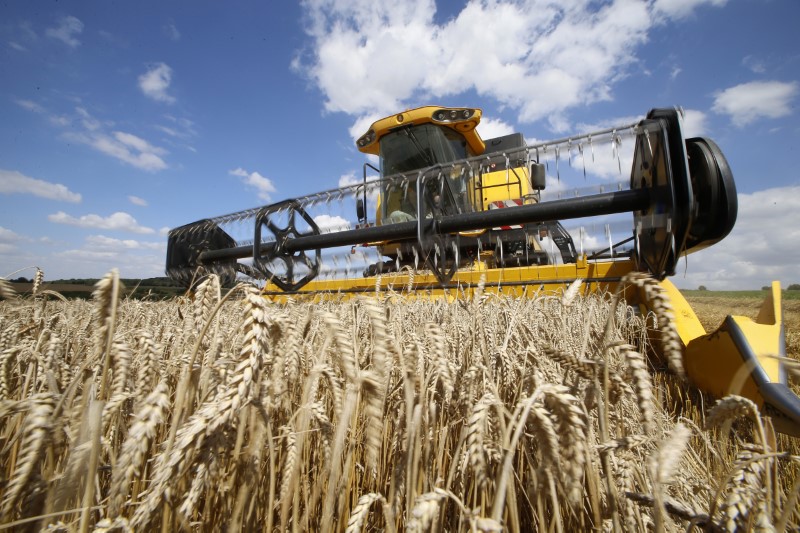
(570, 208)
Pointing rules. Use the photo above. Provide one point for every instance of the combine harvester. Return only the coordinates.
(452, 212)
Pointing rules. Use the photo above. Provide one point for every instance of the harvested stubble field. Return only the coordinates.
(226, 412)
(712, 308)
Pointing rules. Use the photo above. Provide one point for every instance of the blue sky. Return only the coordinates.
(121, 120)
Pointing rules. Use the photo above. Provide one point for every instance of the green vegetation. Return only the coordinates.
(788, 294)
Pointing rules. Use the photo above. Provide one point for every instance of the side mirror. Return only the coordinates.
(361, 211)
(537, 174)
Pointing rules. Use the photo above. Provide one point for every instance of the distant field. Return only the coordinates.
(81, 290)
(713, 306)
(786, 295)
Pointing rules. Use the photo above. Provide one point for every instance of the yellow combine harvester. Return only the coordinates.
(449, 211)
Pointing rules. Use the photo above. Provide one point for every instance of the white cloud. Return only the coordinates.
(540, 57)
(87, 120)
(748, 102)
(88, 262)
(171, 32)
(135, 200)
(16, 46)
(126, 147)
(101, 242)
(67, 31)
(8, 236)
(752, 256)
(492, 127)
(263, 186)
(117, 221)
(694, 123)
(345, 180)
(678, 9)
(329, 224)
(155, 82)
(30, 105)
(13, 182)
(754, 64)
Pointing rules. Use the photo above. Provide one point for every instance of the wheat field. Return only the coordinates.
(222, 411)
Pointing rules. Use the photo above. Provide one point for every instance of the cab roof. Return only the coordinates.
(461, 119)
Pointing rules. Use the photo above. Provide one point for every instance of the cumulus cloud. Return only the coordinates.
(329, 224)
(13, 182)
(694, 123)
(155, 82)
(751, 101)
(135, 200)
(263, 186)
(91, 260)
(492, 127)
(678, 9)
(540, 57)
(117, 221)
(7, 236)
(67, 31)
(751, 256)
(101, 242)
(345, 180)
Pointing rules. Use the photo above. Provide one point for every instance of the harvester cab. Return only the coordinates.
(450, 212)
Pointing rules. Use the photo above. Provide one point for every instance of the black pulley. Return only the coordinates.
(715, 206)
(297, 267)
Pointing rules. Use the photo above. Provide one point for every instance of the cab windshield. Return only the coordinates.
(415, 147)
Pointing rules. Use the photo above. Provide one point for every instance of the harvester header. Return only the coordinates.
(448, 211)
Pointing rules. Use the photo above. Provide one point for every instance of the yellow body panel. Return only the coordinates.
(503, 185)
(369, 142)
(517, 281)
(686, 321)
(719, 364)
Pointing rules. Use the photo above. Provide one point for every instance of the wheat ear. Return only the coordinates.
(643, 384)
(359, 513)
(658, 300)
(134, 450)
(373, 383)
(426, 507)
(35, 438)
(571, 428)
(663, 465)
(7, 291)
(476, 429)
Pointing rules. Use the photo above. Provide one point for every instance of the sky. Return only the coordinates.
(121, 120)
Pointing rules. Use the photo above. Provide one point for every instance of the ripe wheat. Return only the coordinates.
(380, 413)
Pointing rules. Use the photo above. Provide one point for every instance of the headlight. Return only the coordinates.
(366, 139)
(452, 115)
